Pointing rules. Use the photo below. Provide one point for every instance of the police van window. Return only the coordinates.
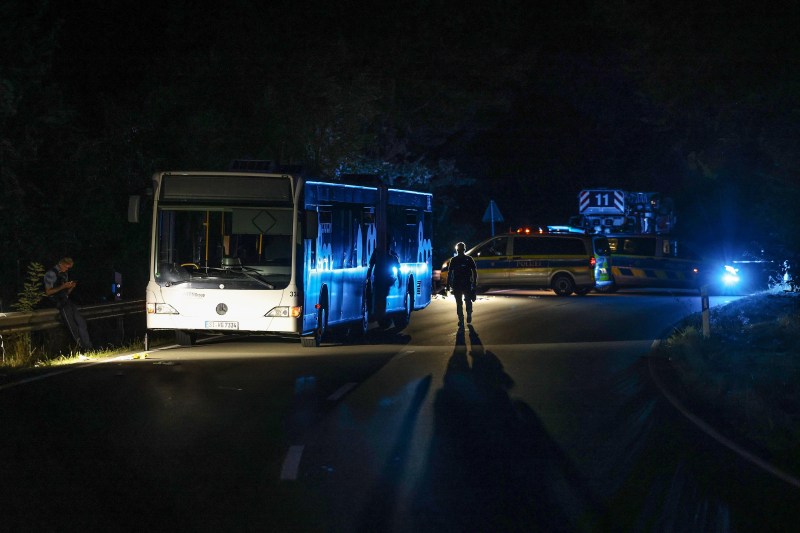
(530, 246)
(684, 251)
(601, 246)
(548, 246)
(494, 248)
(565, 246)
(634, 246)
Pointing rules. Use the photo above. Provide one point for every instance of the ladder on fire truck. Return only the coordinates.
(618, 211)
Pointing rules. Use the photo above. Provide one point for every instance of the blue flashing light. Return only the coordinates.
(731, 276)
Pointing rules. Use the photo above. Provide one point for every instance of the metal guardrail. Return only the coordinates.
(19, 322)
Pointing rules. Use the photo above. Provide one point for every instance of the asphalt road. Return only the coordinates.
(541, 416)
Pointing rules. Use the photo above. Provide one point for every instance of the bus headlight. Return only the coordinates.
(285, 311)
(161, 309)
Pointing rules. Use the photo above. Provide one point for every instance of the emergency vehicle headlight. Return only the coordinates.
(285, 311)
(730, 276)
(445, 265)
(161, 309)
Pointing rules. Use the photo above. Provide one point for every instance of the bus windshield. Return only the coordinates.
(247, 248)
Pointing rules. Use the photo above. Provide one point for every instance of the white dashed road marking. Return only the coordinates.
(291, 463)
(344, 389)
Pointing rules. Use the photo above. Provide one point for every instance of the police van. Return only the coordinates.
(564, 262)
(654, 261)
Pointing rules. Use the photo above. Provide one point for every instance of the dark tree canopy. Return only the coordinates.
(523, 103)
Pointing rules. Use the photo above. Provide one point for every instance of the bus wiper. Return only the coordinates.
(241, 270)
(255, 275)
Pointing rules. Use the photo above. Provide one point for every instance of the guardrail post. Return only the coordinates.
(705, 309)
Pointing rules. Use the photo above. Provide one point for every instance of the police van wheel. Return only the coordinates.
(563, 285)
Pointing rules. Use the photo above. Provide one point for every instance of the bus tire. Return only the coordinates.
(562, 285)
(185, 338)
(309, 341)
(321, 328)
(402, 319)
(359, 329)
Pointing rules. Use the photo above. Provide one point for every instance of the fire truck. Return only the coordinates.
(643, 253)
(616, 211)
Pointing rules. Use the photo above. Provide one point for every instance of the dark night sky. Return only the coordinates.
(520, 102)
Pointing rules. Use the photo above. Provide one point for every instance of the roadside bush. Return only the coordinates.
(33, 290)
(18, 349)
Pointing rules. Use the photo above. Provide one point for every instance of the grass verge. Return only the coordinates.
(745, 378)
(19, 354)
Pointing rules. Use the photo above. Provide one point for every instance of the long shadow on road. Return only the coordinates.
(492, 465)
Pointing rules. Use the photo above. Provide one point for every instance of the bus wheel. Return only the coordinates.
(322, 324)
(184, 338)
(315, 339)
(402, 319)
(563, 286)
(359, 329)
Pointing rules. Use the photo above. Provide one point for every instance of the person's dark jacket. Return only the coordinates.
(462, 273)
(56, 278)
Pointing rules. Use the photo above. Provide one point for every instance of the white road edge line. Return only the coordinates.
(711, 432)
(344, 389)
(291, 463)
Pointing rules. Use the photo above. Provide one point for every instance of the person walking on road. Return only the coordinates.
(58, 287)
(462, 278)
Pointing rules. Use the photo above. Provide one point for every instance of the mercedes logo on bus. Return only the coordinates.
(222, 309)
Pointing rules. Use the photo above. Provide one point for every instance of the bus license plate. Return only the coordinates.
(221, 325)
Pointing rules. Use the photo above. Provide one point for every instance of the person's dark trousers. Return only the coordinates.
(460, 297)
(76, 325)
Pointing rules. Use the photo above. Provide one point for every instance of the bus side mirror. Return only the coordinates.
(312, 225)
(133, 208)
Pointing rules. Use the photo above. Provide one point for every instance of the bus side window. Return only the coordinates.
(312, 225)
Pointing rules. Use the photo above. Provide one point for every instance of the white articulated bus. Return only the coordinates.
(274, 253)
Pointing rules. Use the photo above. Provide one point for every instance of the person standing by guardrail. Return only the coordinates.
(58, 287)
